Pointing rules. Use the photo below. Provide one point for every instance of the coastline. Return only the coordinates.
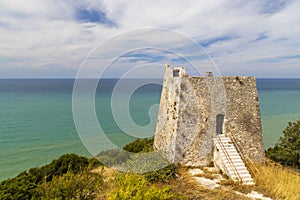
(37, 125)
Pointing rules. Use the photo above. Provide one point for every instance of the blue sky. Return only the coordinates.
(51, 38)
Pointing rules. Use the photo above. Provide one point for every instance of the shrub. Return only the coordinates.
(68, 162)
(93, 163)
(140, 145)
(148, 163)
(83, 185)
(135, 187)
(116, 157)
(287, 150)
(162, 175)
(153, 165)
(21, 187)
(25, 184)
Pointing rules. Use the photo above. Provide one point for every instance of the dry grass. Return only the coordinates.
(207, 176)
(186, 187)
(279, 182)
(227, 182)
(274, 181)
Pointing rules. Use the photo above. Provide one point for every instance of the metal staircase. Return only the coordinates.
(232, 162)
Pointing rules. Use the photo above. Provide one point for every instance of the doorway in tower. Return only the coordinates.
(220, 121)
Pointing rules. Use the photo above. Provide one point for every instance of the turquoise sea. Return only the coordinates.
(36, 121)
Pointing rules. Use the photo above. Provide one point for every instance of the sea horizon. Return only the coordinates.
(37, 123)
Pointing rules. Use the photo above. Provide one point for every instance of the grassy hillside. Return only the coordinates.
(76, 177)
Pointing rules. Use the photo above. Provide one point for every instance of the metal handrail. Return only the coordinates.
(229, 160)
(245, 158)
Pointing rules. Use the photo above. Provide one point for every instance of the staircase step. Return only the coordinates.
(229, 165)
(236, 161)
(240, 172)
(231, 169)
(226, 146)
(231, 153)
(241, 167)
(232, 161)
(231, 148)
(233, 157)
(234, 167)
(243, 177)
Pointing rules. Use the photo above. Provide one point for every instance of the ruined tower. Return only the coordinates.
(195, 110)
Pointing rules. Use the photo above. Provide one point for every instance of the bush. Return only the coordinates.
(25, 184)
(141, 163)
(116, 157)
(21, 187)
(154, 166)
(93, 163)
(68, 162)
(287, 150)
(83, 185)
(140, 145)
(162, 175)
(135, 187)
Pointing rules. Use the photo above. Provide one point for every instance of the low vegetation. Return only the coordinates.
(65, 170)
(279, 181)
(71, 177)
(287, 150)
(76, 177)
(140, 145)
(116, 157)
(83, 185)
(136, 187)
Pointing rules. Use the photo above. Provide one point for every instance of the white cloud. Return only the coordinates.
(41, 34)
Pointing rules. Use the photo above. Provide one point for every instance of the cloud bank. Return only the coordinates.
(50, 38)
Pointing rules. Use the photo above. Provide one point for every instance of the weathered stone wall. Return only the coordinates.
(203, 99)
(242, 119)
(187, 117)
(166, 127)
(191, 131)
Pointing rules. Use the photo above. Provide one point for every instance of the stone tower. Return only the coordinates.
(195, 110)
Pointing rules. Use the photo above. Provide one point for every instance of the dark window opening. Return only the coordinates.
(176, 73)
(220, 121)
